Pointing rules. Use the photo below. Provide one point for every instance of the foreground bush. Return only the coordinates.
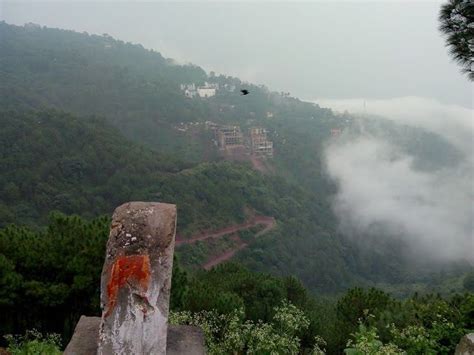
(33, 342)
(231, 334)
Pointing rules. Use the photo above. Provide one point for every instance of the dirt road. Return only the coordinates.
(268, 222)
(218, 259)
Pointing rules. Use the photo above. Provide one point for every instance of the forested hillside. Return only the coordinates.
(134, 88)
(90, 122)
(55, 161)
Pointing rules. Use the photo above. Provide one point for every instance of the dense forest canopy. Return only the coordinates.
(49, 278)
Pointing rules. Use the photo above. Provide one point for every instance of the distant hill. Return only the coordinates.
(138, 90)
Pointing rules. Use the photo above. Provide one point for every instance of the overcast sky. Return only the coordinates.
(372, 50)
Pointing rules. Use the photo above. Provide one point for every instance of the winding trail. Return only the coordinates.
(268, 222)
(219, 259)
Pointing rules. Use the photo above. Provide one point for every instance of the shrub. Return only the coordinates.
(33, 342)
(229, 333)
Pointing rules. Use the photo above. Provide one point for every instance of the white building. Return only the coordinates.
(206, 91)
(188, 86)
(211, 85)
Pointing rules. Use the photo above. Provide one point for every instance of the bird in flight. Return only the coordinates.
(244, 92)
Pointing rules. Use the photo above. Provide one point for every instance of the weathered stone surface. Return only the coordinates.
(85, 338)
(466, 345)
(185, 339)
(136, 279)
(182, 339)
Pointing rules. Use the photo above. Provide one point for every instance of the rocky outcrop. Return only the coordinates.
(466, 345)
(86, 337)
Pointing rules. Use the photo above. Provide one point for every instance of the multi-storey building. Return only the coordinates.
(259, 143)
(228, 136)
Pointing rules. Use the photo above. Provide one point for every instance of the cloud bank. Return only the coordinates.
(379, 186)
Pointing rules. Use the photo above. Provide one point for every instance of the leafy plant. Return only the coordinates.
(366, 342)
(34, 342)
(230, 333)
(414, 339)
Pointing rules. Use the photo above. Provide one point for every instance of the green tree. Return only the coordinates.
(456, 18)
(468, 282)
(179, 285)
(50, 277)
(356, 304)
(231, 334)
(366, 341)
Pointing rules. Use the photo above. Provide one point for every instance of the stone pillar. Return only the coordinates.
(136, 279)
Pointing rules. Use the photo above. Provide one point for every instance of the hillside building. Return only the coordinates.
(189, 90)
(211, 85)
(228, 136)
(205, 92)
(259, 143)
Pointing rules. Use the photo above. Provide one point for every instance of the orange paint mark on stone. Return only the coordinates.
(131, 269)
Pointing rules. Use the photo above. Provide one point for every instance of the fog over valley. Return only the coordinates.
(380, 186)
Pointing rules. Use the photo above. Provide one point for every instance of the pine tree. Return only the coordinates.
(457, 23)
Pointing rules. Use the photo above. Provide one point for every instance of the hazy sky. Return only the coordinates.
(373, 50)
